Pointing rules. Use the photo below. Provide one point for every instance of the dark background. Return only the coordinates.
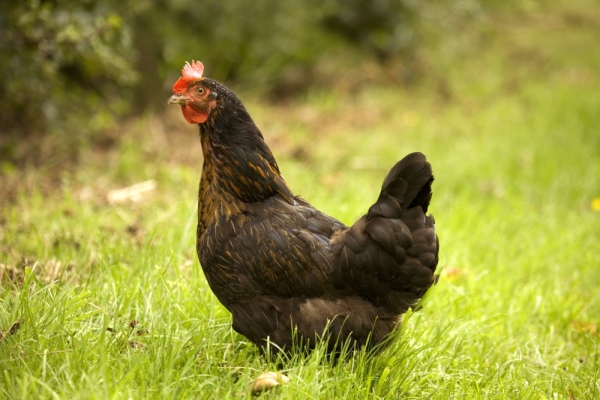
(72, 70)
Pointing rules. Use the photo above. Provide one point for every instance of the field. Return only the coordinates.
(102, 295)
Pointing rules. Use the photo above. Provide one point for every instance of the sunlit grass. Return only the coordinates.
(110, 301)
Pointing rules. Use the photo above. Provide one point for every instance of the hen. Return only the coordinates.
(284, 269)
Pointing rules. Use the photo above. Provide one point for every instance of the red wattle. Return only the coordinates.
(193, 116)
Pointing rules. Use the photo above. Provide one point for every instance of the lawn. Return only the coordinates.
(102, 295)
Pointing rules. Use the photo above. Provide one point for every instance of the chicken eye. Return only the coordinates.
(200, 90)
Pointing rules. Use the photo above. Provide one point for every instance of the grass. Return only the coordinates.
(102, 300)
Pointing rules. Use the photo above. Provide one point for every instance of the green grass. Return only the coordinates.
(113, 304)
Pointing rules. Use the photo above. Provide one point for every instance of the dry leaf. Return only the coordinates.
(585, 327)
(266, 381)
(12, 330)
(132, 193)
(15, 327)
(451, 273)
(134, 344)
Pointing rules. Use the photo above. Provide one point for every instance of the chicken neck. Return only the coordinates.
(237, 162)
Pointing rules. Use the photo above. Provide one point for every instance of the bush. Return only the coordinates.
(61, 65)
(73, 67)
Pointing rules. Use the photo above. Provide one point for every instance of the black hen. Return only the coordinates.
(278, 264)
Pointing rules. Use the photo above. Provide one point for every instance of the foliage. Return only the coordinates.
(72, 68)
(61, 58)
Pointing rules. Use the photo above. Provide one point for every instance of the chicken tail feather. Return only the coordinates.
(407, 185)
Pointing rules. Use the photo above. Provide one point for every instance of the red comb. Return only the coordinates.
(190, 72)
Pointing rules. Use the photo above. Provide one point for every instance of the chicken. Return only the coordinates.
(288, 273)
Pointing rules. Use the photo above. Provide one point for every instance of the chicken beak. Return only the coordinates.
(178, 99)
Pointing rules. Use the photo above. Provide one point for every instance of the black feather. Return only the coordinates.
(279, 265)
